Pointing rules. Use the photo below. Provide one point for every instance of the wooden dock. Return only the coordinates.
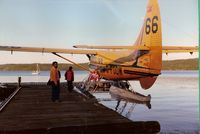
(31, 111)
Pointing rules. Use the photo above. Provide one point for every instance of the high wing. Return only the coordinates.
(47, 50)
(103, 47)
(165, 49)
(59, 50)
(138, 47)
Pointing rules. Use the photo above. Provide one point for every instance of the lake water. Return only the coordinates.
(174, 102)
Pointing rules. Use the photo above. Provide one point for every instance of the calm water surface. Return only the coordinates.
(174, 102)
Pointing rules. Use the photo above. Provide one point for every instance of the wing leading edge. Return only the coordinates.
(46, 50)
(165, 49)
(57, 50)
(102, 47)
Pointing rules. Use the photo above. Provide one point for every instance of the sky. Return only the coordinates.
(65, 23)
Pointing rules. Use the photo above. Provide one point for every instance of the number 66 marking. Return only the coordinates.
(154, 25)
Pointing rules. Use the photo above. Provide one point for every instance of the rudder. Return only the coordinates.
(151, 37)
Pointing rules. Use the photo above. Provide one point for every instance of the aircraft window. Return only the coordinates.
(142, 52)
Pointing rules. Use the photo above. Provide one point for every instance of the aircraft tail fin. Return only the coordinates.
(150, 36)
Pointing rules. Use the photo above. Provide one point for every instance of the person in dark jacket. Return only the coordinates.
(69, 76)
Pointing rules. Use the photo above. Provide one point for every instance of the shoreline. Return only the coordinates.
(185, 64)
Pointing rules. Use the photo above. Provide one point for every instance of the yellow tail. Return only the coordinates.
(151, 37)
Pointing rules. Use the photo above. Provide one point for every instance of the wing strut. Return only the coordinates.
(79, 66)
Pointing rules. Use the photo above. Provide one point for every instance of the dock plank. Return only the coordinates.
(32, 111)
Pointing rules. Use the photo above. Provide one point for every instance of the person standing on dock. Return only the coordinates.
(69, 76)
(55, 79)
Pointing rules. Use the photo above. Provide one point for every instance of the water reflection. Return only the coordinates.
(139, 126)
(125, 106)
(121, 105)
(120, 109)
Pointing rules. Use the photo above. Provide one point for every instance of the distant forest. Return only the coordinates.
(186, 64)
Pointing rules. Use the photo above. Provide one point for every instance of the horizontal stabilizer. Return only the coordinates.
(179, 49)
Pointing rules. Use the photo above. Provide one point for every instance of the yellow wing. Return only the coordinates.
(136, 47)
(60, 50)
(165, 49)
(103, 47)
(46, 50)
(179, 49)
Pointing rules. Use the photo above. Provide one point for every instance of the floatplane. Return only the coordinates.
(141, 61)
